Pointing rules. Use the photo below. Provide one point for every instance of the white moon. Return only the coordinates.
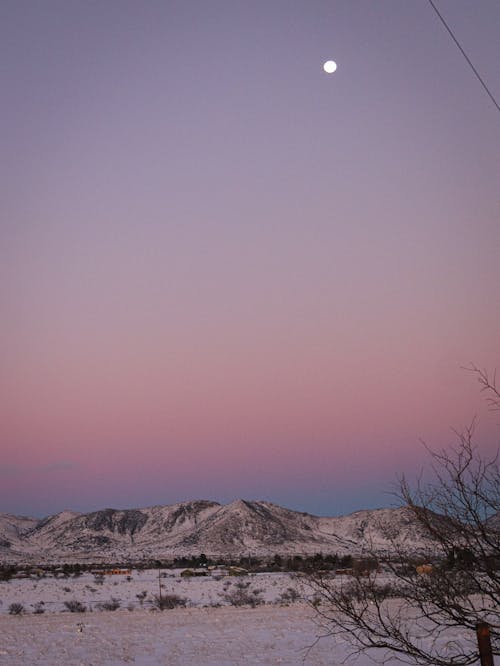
(330, 66)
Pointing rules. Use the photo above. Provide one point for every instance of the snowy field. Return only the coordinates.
(209, 631)
(198, 591)
(198, 636)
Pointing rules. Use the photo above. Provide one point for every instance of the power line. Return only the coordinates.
(464, 54)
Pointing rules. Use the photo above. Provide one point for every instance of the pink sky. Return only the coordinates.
(226, 274)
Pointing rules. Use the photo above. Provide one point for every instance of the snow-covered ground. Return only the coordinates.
(209, 631)
(202, 591)
(183, 637)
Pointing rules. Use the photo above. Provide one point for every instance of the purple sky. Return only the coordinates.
(225, 273)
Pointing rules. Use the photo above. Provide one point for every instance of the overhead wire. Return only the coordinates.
(464, 54)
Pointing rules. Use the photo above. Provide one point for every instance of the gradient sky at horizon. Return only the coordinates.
(225, 273)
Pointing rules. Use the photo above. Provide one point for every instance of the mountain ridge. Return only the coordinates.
(242, 527)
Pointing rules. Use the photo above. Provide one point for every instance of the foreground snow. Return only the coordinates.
(184, 637)
(198, 636)
(202, 634)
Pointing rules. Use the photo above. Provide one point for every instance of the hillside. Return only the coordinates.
(233, 530)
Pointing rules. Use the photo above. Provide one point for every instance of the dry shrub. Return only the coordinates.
(75, 606)
(168, 601)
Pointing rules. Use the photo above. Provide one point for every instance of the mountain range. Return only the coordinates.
(241, 528)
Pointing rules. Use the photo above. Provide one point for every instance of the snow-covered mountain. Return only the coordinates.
(189, 528)
(13, 529)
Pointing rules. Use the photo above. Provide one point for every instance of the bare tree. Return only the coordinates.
(430, 614)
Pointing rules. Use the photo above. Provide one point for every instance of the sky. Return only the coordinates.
(225, 273)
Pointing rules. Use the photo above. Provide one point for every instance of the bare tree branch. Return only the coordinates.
(411, 611)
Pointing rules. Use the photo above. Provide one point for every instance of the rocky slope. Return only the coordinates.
(240, 528)
(13, 529)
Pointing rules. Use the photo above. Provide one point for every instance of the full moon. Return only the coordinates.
(330, 66)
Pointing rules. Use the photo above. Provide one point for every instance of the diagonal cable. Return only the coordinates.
(464, 54)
